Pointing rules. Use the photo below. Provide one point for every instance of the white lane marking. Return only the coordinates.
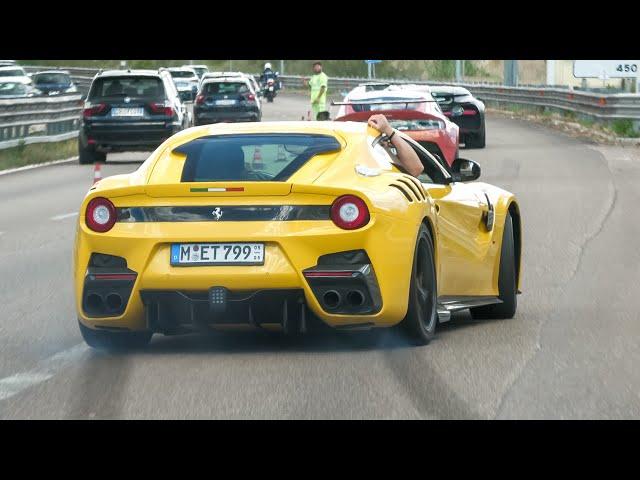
(10, 386)
(37, 165)
(64, 215)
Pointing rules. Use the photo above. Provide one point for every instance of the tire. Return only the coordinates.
(506, 280)
(477, 140)
(108, 340)
(89, 155)
(422, 314)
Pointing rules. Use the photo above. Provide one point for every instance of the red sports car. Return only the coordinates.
(415, 113)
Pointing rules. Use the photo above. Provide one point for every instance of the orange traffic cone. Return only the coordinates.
(257, 159)
(97, 173)
(282, 157)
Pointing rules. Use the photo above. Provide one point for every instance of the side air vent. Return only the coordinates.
(411, 186)
(417, 183)
(404, 191)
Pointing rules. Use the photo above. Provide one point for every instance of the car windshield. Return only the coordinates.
(251, 157)
(150, 87)
(181, 74)
(225, 88)
(12, 88)
(12, 72)
(58, 78)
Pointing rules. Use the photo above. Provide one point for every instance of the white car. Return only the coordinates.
(16, 87)
(199, 69)
(181, 75)
(14, 71)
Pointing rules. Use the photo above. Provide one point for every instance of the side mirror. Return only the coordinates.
(465, 170)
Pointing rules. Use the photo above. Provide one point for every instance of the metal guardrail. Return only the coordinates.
(597, 105)
(45, 119)
(38, 119)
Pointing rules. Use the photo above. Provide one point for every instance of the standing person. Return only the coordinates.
(318, 84)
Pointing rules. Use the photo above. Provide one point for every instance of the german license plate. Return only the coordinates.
(127, 112)
(217, 254)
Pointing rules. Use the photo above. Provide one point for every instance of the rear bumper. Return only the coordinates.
(292, 249)
(204, 117)
(125, 137)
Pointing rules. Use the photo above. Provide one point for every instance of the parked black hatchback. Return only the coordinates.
(129, 110)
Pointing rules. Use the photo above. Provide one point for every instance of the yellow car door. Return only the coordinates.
(464, 242)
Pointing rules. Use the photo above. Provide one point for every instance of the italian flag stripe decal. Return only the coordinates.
(217, 189)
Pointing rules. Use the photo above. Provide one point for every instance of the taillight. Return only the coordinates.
(161, 109)
(349, 212)
(100, 215)
(90, 110)
(251, 97)
(199, 99)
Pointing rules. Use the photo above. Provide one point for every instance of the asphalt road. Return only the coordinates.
(571, 351)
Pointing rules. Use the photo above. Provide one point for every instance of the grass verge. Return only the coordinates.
(35, 153)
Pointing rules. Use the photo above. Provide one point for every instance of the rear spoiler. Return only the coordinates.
(389, 102)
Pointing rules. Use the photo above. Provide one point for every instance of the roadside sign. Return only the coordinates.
(605, 69)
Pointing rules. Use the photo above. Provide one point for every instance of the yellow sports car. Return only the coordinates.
(277, 225)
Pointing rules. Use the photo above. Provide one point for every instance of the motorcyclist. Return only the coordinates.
(267, 74)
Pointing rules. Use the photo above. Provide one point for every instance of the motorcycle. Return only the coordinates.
(269, 90)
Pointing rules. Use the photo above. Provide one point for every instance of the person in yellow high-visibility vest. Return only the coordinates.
(319, 85)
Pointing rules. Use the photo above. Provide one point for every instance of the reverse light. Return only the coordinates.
(349, 212)
(100, 215)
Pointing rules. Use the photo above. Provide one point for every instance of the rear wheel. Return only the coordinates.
(88, 155)
(477, 140)
(506, 280)
(422, 314)
(108, 340)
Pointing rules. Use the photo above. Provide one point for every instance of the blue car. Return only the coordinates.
(54, 82)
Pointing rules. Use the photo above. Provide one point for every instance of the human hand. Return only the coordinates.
(380, 123)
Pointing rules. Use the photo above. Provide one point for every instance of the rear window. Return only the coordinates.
(127, 86)
(59, 78)
(372, 88)
(225, 88)
(14, 72)
(181, 74)
(255, 157)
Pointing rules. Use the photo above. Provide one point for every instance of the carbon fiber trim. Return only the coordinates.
(211, 213)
